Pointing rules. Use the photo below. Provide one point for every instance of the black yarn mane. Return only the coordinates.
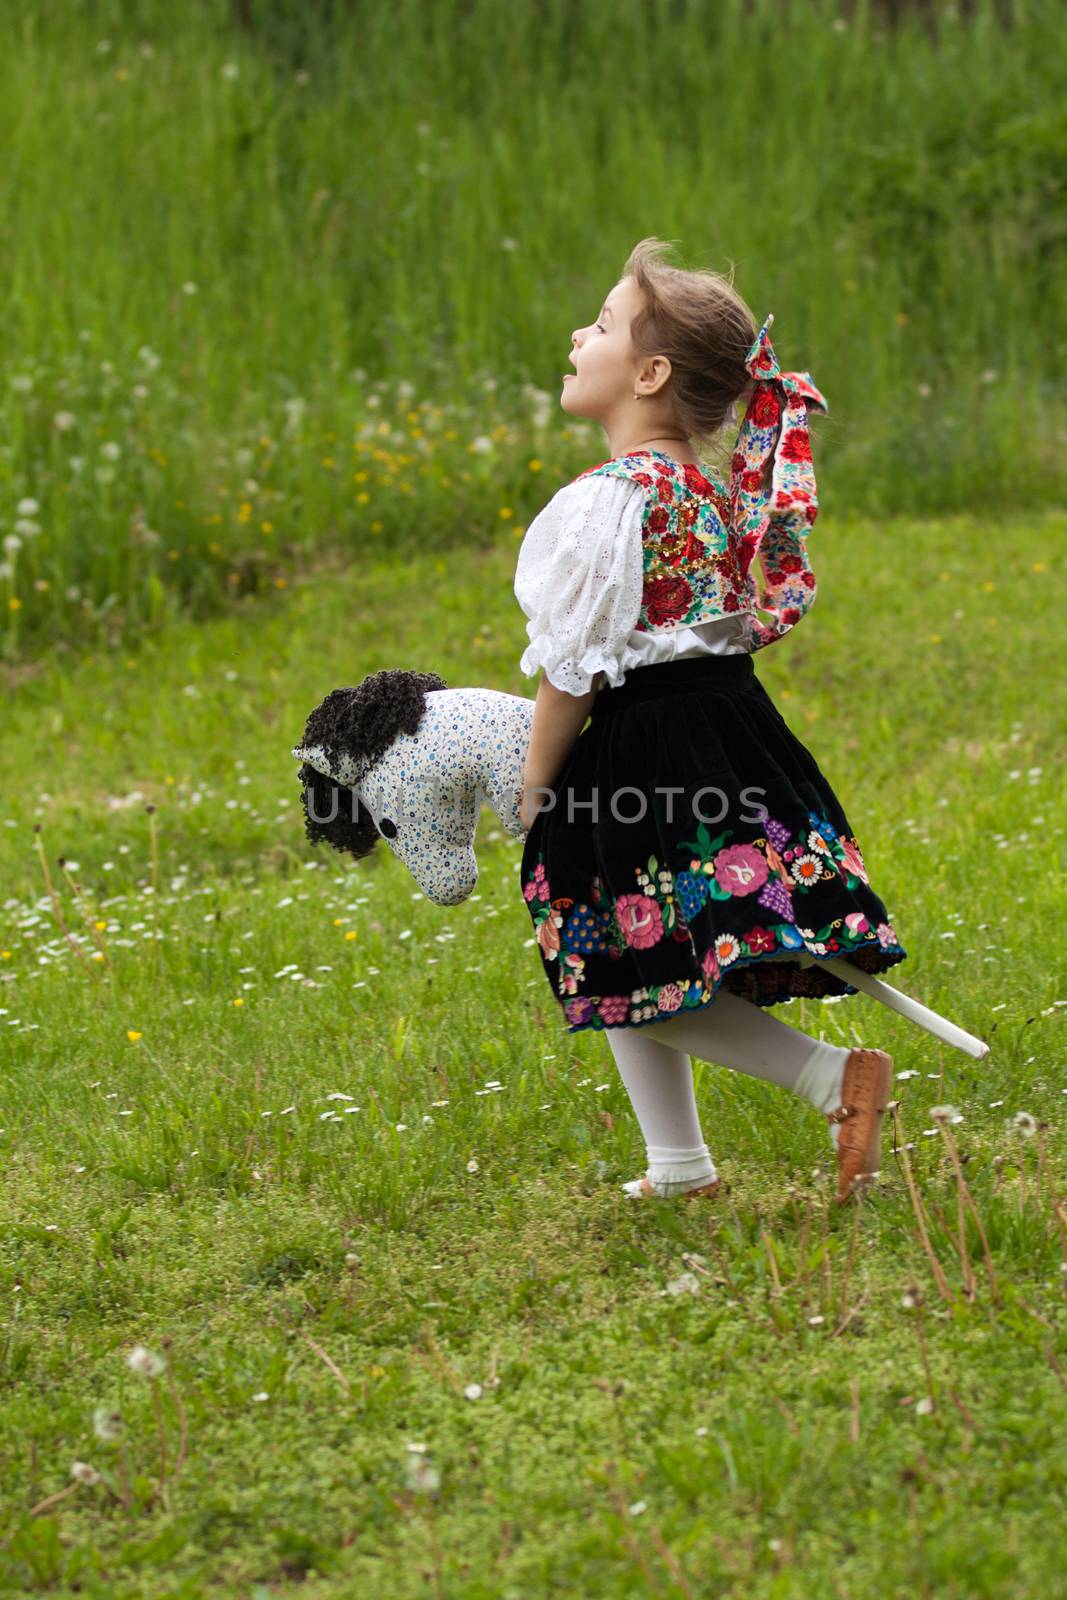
(361, 722)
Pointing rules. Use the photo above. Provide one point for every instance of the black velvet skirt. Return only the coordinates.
(691, 841)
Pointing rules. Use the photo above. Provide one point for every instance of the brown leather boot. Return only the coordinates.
(865, 1093)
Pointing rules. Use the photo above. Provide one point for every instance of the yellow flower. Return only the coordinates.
(506, 511)
(5, 955)
(15, 604)
(99, 925)
(988, 586)
(362, 498)
(239, 1001)
(280, 583)
(376, 1371)
(338, 922)
(244, 513)
(327, 461)
(946, 577)
(131, 1033)
(1038, 566)
(935, 638)
(351, 934)
(266, 527)
(168, 780)
(534, 466)
(901, 318)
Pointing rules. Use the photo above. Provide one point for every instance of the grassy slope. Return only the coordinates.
(217, 244)
(636, 1441)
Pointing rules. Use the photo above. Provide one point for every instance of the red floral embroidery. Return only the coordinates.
(766, 410)
(796, 445)
(667, 600)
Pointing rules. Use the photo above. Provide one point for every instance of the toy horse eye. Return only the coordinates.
(387, 828)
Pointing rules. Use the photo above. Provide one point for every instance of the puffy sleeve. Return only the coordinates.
(579, 578)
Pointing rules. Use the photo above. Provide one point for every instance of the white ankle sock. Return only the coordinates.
(822, 1076)
(675, 1171)
(659, 1082)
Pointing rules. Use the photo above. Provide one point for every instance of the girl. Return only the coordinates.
(685, 847)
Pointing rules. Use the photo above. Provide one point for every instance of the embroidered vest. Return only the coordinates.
(696, 568)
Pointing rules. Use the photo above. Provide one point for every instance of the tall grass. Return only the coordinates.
(243, 265)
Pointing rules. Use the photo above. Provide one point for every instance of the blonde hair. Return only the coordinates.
(699, 321)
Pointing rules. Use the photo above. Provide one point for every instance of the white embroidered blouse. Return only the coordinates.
(579, 579)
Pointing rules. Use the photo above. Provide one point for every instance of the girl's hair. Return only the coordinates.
(699, 321)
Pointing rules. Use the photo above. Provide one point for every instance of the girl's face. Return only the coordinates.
(603, 378)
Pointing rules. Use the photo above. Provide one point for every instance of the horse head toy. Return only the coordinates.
(406, 759)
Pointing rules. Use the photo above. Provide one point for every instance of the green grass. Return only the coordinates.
(242, 265)
(326, 1284)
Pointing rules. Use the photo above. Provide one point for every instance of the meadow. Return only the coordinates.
(438, 1352)
(436, 1349)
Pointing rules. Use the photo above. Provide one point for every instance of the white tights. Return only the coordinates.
(655, 1067)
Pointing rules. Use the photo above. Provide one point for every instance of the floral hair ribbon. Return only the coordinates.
(772, 520)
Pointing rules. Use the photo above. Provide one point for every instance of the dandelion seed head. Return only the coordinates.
(107, 1423)
(145, 1361)
(943, 1114)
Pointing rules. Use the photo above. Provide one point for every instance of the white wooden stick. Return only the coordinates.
(932, 1021)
